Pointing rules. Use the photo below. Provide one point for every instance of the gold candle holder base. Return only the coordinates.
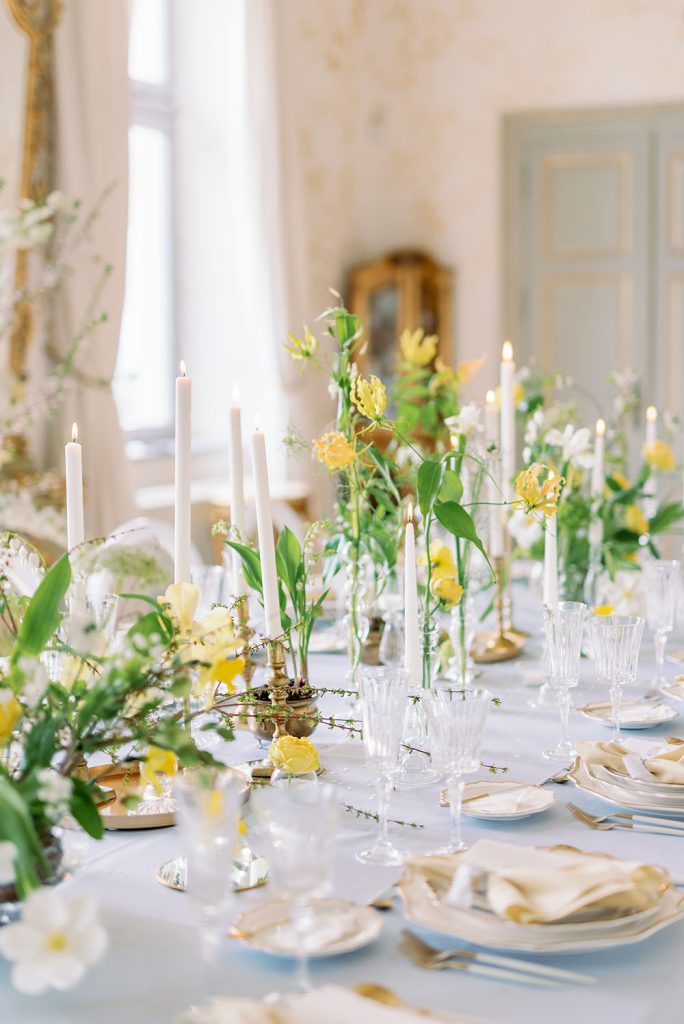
(503, 643)
(245, 633)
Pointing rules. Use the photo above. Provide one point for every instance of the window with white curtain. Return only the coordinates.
(200, 283)
(145, 367)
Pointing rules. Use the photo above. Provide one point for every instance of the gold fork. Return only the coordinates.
(488, 964)
(604, 825)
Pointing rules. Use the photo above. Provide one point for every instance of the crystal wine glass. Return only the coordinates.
(616, 643)
(564, 625)
(383, 698)
(301, 823)
(456, 719)
(208, 803)
(662, 578)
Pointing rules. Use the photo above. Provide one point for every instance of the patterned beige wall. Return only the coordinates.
(393, 118)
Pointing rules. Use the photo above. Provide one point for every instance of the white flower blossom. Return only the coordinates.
(467, 421)
(575, 445)
(54, 790)
(534, 426)
(54, 942)
(626, 593)
(35, 683)
(525, 529)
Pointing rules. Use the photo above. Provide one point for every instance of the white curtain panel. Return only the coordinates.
(92, 116)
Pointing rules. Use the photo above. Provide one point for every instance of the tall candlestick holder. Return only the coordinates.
(277, 685)
(245, 633)
(498, 644)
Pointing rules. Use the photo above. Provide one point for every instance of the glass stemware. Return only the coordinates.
(208, 802)
(616, 643)
(456, 719)
(301, 822)
(564, 626)
(662, 578)
(383, 699)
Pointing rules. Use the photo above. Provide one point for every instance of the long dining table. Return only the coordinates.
(153, 968)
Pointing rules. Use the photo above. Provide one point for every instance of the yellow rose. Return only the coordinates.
(417, 347)
(304, 348)
(182, 600)
(658, 455)
(635, 520)
(369, 396)
(536, 497)
(157, 760)
(10, 713)
(334, 450)
(442, 562)
(294, 755)
(603, 609)
(447, 589)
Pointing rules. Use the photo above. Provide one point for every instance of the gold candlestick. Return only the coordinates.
(499, 644)
(277, 686)
(245, 633)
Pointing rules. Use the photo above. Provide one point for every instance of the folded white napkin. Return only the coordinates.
(631, 712)
(324, 932)
(648, 762)
(528, 798)
(331, 1003)
(535, 886)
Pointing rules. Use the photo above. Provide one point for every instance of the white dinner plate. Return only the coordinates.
(636, 714)
(493, 806)
(424, 906)
(341, 925)
(675, 691)
(618, 793)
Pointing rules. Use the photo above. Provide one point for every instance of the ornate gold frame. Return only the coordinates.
(38, 20)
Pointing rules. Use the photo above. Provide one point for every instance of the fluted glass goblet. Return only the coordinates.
(616, 643)
(662, 579)
(564, 624)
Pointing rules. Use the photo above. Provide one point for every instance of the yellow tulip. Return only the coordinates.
(635, 520)
(536, 497)
(10, 713)
(334, 450)
(658, 455)
(369, 396)
(417, 347)
(294, 755)
(447, 589)
(158, 761)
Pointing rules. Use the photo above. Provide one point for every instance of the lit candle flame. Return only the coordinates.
(600, 428)
(651, 414)
(236, 393)
(74, 431)
(183, 369)
(507, 352)
(490, 398)
(409, 514)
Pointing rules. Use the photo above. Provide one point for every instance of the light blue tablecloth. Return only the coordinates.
(153, 969)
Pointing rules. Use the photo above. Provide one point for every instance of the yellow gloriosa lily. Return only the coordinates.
(417, 347)
(334, 450)
(469, 367)
(158, 761)
(302, 349)
(659, 455)
(536, 497)
(369, 396)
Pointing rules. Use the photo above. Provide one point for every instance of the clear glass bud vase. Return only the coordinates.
(461, 635)
(357, 618)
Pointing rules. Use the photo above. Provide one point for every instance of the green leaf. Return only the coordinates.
(666, 516)
(82, 806)
(41, 743)
(429, 481)
(459, 523)
(288, 555)
(452, 487)
(16, 825)
(251, 564)
(153, 622)
(43, 613)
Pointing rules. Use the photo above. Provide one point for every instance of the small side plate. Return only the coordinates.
(267, 927)
(635, 714)
(484, 788)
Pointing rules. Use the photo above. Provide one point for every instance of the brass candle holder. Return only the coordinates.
(277, 685)
(499, 644)
(245, 633)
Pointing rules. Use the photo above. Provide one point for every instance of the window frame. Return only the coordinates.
(153, 106)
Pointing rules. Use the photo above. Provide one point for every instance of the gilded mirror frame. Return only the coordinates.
(37, 19)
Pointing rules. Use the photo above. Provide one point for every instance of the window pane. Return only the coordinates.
(148, 43)
(144, 367)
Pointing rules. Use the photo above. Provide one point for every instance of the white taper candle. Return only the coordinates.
(73, 459)
(507, 419)
(237, 492)
(495, 512)
(183, 478)
(266, 542)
